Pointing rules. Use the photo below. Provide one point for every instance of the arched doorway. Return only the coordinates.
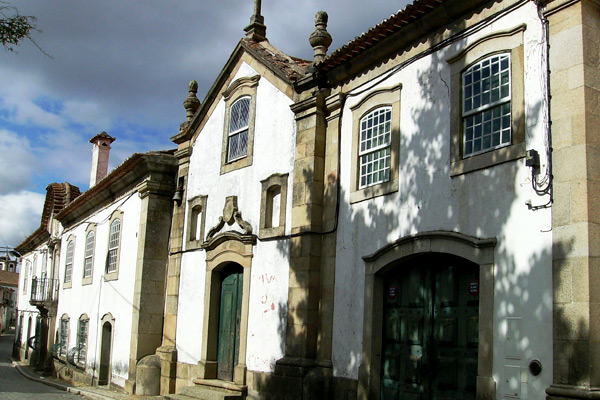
(106, 338)
(230, 311)
(423, 261)
(27, 338)
(430, 329)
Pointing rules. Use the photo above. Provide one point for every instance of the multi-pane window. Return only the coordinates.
(238, 129)
(26, 275)
(113, 245)
(82, 333)
(486, 105)
(69, 261)
(89, 254)
(64, 337)
(375, 147)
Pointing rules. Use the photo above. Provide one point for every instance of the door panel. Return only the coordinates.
(431, 330)
(229, 321)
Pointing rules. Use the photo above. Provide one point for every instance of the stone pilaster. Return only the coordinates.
(149, 287)
(574, 33)
(168, 351)
(304, 325)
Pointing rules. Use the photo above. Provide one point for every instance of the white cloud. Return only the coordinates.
(17, 162)
(20, 216)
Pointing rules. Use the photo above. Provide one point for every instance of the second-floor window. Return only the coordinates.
(69, 261)
(89, 254)
(113, 245)
(375, 147)
(486, 107)
(238, 129)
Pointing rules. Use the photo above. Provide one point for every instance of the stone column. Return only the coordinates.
(574, 30)
(152, 256)
(168, 351)
(304, 325)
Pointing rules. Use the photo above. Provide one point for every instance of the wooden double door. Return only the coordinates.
(430, 330)
(230, 310)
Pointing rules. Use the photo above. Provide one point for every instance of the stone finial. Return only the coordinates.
(191, 103)
(257, 30)
(320, 39)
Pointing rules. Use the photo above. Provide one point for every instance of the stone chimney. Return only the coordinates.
(100, 154)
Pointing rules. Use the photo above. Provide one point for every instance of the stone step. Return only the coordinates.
(204, 393)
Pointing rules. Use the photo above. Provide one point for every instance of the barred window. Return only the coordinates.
(82, 334)
(89, 254)
(375, 147)
(113, 245)
(64, 337)
(486, 105)
(238, 129)
(69, 261)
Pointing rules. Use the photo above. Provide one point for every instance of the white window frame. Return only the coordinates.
(479, 113)
(69, 255)
(364, 151)
(114, 247)
(240, 130)
(88, 256)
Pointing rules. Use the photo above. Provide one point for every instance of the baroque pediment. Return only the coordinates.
(231, 215)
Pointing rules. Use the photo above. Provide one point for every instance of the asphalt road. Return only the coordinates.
(13, 386)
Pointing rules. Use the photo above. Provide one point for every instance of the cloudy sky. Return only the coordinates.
(123, 66)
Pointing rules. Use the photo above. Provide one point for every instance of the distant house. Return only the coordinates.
(38, 284)
(9, 282)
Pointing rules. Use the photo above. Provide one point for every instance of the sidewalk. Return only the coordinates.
(89, 392)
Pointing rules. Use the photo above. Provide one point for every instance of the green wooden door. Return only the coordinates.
(430, 332)
(229, 321)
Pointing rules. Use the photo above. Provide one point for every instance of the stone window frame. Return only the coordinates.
(71, 240)
(475, 250)
(507, 41)
(114, 275)
(274, 181)
(242, 87)
(62, 351)
(88, 280)
(191, 241)
(384, 97)
(83, 318)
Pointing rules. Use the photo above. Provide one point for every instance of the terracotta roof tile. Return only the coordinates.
(291, 67)
(395, 22)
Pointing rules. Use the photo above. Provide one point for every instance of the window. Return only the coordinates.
(82, 334)
(114, 240)
(26, 275)
(375, 147)
(88, 262)
(69, 262)
(238, 136)
(273, 205)
(486, 105)
(238, 129)
(375, 144)
(63, 337)
(195, 222)
(487, 125)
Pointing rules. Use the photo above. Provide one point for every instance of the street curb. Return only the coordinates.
(57, 385)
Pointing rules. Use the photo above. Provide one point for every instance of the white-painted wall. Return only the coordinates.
(274, 141)
(102, 297)
(485, 204)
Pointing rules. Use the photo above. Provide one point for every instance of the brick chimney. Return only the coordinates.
(100, 154)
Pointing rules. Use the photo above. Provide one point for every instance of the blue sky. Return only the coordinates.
(123, 67)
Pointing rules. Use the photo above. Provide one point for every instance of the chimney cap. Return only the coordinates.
(102, 135)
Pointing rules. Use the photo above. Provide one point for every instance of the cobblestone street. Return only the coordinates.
(13, 386)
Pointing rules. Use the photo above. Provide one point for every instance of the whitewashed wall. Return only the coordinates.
(485, 204)
(100, 297)
(274, 140)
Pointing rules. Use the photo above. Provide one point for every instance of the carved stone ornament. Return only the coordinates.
(231, 214)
